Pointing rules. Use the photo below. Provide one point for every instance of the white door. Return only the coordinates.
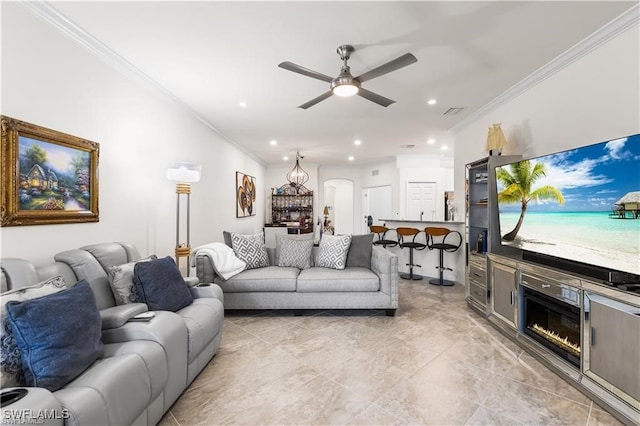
(376, 202)
(421, 201)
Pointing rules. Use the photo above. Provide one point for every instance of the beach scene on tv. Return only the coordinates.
(581, 204)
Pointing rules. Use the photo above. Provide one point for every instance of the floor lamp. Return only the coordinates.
(183, 174)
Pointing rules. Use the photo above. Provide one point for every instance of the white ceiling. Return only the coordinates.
(213, 55)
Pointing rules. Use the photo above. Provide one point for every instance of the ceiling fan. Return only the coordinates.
(345, 84)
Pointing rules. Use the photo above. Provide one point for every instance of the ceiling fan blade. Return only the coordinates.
(290, 66)
(395, 64)
(374, 97)
(314, 101)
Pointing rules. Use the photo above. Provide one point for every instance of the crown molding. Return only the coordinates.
(582, 48)
(59, 21)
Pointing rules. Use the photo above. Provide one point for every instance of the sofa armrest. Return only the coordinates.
(385, 265)
(205, 271)
(37, 406)
(117, 316)
(207, 290)
(191, 281)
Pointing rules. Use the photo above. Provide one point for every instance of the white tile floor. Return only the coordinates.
(436, 362)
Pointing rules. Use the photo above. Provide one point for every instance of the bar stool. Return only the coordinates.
(406, 233)
(381, 232)
(443, 245)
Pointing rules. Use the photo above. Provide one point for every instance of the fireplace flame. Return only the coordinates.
(556, 339)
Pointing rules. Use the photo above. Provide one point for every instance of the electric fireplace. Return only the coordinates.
(551, 317)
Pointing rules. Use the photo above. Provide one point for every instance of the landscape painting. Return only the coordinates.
(49, 177)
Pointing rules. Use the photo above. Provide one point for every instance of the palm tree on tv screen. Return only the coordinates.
(518, 188)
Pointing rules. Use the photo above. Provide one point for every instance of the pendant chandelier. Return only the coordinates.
(297, 177)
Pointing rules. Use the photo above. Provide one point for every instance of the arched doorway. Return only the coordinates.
(338, 197)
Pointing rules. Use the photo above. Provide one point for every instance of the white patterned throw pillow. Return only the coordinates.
(121, 280)
(295, 253)
(250, 249)
(333, 250)
(10, 359)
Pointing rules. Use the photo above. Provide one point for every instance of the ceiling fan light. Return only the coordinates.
(345, 90)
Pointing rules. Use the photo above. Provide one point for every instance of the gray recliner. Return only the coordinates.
(203, 318)
(145, 366)
(98, 395)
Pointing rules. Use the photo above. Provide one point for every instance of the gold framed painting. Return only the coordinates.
(245, 195)
(48, 177)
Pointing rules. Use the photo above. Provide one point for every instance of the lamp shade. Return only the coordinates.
(184, 172)
(326, 211)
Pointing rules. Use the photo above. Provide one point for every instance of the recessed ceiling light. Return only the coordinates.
(243, 104)
(351, 158)
(444, 147)
(357, 142)
(273, 142)
(285, 158)
(432, 102)
(431, 141)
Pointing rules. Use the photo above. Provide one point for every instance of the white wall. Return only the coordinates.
(50, 80)
(593, 99)
(422, 169)
(387, 175)
(410, 168)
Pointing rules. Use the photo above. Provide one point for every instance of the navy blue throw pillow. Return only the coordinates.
(58, 335)
(159, 284)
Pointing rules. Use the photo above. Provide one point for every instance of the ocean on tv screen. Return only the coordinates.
(583, 206)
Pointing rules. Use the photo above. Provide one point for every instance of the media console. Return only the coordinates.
(585, 331)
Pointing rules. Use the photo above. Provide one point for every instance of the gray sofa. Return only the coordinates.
(145, 366)
(277, 287)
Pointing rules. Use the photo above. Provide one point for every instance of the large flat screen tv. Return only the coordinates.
(580, 207)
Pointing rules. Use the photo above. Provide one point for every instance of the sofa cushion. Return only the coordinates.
(121, 280)
(250, 249)
(10, 359)
(281, 237)
(59, 335)
(332, 252)
(320, 280)
(271, 278)
(159, 284)
(360, 251)
(295, 253)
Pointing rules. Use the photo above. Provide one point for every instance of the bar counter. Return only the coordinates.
(271, 229)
